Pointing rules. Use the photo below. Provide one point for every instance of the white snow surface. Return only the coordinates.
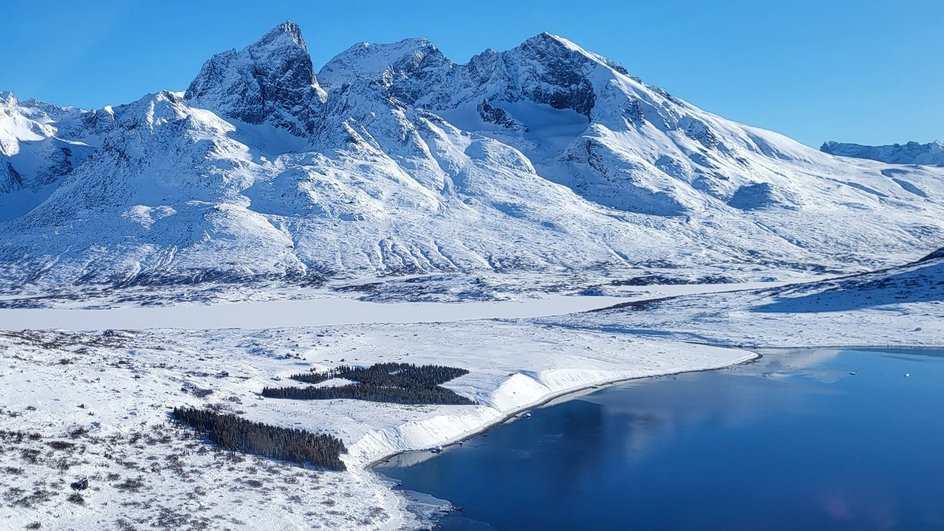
(327, 310)
(108, 394)
(119, 386)
(896, 307)
(290, 313)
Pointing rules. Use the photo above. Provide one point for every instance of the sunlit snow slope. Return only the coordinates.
(393, 159)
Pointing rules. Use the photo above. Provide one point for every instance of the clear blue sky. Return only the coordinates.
(851, 70)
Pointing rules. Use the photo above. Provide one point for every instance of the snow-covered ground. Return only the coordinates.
(901, 306)
(95, 404)
(328, 310)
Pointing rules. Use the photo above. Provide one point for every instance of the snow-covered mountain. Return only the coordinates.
(39, 144)
(393, 159)
(910, 153)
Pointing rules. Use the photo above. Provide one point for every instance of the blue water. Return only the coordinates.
(793, 442)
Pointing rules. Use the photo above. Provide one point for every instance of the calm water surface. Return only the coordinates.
(794, 441)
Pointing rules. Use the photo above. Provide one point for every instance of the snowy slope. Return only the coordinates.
(920, 281)
(395, 160)
(897, 306)
(39, 144)
(931, 153)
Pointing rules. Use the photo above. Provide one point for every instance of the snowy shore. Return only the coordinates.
(108, 394)
(94, 404)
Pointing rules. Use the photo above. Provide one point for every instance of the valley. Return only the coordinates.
(182, 276)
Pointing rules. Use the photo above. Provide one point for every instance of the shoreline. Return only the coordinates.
(754, 349)
(429, 479)
(758, 354)
(370, 467)
(505, 417)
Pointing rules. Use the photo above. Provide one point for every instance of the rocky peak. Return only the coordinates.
(417, 59)
(271, 81)
(286, 34)
(552, 70)
(556, 48)
(7, 98)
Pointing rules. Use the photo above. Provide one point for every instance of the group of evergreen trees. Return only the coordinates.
(387, 374)
(409, 394)
(234, 433)
(400, 383)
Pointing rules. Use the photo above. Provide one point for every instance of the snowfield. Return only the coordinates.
(291, 313)
(328, 309)
(901, 306)
(95, 404)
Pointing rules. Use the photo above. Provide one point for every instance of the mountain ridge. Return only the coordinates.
(392, 159)
(912, 152)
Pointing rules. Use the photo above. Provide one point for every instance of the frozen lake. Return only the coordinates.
(803, 440)
(323, 311)
(291, 313)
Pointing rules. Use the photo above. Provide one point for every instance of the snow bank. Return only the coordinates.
(519, 392)
(109, 395)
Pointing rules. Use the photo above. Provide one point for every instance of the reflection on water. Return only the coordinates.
(800, 440)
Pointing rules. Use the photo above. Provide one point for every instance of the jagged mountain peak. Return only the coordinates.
(550, 41)
(286, 33)
(547, 68)
(270, 81)
(371, 61)
(552, 45)
(7, 98)
(152, 110)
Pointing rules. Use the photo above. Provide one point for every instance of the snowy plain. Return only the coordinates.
(95, 404)
(328, 310)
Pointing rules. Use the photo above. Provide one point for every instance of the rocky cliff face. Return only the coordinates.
(271, 81)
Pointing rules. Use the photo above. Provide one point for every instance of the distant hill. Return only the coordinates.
(931, 153)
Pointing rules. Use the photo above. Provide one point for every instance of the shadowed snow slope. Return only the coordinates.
(921, 281)
(395, 160)
(898, 306)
